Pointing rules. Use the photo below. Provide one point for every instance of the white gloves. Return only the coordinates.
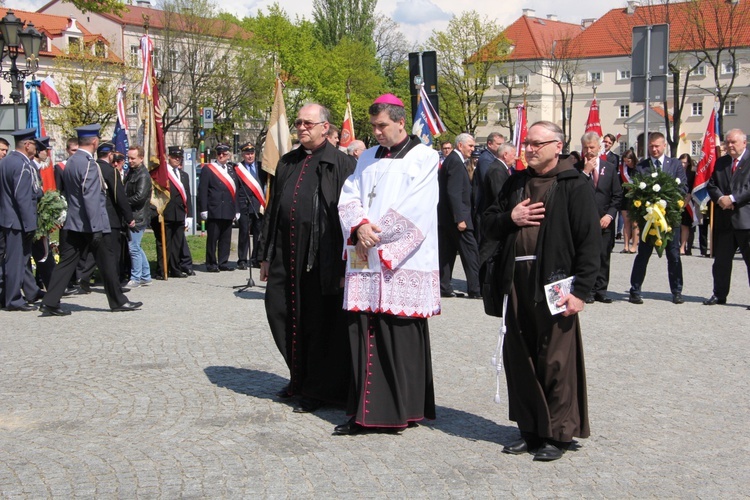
(204, 215)
(188, 222)
(237, 216)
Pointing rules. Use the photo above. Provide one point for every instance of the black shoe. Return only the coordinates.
(284, 393)
(190, 273)
(714, 300)
(255, 264)
(635, 298)
(677, 299)
(53, 311)
(447, 295)
(226, 268)
(84, 288)
(548, 452)
(39, 296)
(603, 298)
(517, 448)
(618, 236)
(212, 269)
(241, 266)
(128, 306)
(348, 429)
(308, 405)
(178, 275)
(71, 290)
(589, 299)
(24, 308)
(158, 277)
(124, 289)
(475, 295)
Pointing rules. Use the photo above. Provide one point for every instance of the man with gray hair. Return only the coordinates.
(355, 148)
(454, 220)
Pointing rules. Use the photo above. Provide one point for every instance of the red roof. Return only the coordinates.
(532, 37)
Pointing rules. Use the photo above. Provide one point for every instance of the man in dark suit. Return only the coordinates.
(605, 179)
(608, 141)
(252, 202)
(19, 192)
(729, 188)
(495, 175)
(454, 220)
(85, 226)
(217, 198)
(656, 161)
(176, 216)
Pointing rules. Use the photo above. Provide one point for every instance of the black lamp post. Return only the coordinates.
(13, 39)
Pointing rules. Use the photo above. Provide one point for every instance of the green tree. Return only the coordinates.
(467, 50)
(116, 7)
(336, 19)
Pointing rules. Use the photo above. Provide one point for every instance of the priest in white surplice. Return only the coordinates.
(388, 211)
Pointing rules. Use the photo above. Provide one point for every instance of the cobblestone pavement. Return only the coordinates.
(176, 400)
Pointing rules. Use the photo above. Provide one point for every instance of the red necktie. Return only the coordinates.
(734, 165)
(596, 176)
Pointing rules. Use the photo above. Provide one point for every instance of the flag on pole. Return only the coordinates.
(519, 136)
(48, 90)
(434, 122)
(34, 110)
(153, 133)
(705, 167)
(420, 128)
(593, 123)
(278, 139)
(347, 129)
(120, 137)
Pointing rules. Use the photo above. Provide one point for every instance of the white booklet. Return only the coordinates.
(356, 265)
(556, 291)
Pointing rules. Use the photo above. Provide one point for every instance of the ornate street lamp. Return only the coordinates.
(14, 38)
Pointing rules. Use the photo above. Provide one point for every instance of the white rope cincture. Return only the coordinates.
(497, 357)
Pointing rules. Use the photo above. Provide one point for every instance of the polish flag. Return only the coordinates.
(49, 91)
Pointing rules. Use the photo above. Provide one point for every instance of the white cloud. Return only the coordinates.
(416, 12)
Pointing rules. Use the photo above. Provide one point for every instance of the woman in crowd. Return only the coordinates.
(630, 228)
(687, 230)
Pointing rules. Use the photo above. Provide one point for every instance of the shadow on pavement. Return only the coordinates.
(254, 383)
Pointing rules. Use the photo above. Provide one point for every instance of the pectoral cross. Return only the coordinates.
(371, 195)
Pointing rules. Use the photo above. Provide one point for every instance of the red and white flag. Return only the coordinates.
(48, 90)
(347, 129)
(519, 136)
(705, 168)
(434, 122)
(593, 123)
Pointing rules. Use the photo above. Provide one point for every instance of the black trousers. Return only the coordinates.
(726, 242)
(186, 259)
(174, 233)
(250, 226)
(218, 231)
(674, 264)
(16, 268)
(44, 266)
(76, 245)
(451, 241)
(608, 242)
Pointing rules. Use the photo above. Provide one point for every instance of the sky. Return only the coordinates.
(418, 18)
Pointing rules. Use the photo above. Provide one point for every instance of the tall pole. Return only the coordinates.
(647, 107)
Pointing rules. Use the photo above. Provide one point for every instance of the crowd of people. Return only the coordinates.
(357, 250)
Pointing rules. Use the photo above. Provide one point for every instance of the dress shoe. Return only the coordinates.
(39, 296)
(241, 266)
(178, 275)
(71, 290)
(25, 308)
(226, 268)
(714, 300)
(285, 392)
(677, 299)
(348, 429)
(548, 452)
(447, 295)
(308, 405)
(517, 447)
(212, 269)
(603, 298)
(475, 295)
(124, 289)
(53, 311)
(190, 273)
(635, 298)
(589, 299)
(128, 306)
(84, 288)
(158, 277)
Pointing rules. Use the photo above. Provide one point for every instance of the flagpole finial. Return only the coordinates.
(146, 22)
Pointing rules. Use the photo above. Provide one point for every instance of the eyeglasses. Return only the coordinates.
(305, 123)
(251, 150)
(537, 145)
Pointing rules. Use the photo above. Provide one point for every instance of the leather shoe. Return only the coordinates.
(677, 299)
(635, 298)
(84, 288)
(212, 269)
(25, 308)
(158, 277)
(178, 275)
(589, 300)
(71, 290)
(190, 273)
(241, 266)
(284, 393)
(128, 306)
(308, 405)
(548, 452)
(348, 429)
(53, 311)
(226, 268)
(714, 300)
(604, 299)
(475, 295)
(447, 295)
(517, 447)
(39, 296)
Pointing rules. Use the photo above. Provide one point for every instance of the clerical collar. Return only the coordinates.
(317, 149)
(394, 151)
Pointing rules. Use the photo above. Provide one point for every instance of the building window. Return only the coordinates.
(503, 115)
(135, 56)
(157, 58)
(522, 79)
(623, 74)
(594, 76)
(74, 43)
(623, 147)
(501, 80)
(696, 148)
(174, 60)
(730, 107)
(696, 109)
(100, 50)
(699, 71)
(565, 78)
(728, 68)
(567, 113)
(135, 104)
(625, 111)
(482, 115)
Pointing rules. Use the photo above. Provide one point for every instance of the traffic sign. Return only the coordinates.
(208, 117)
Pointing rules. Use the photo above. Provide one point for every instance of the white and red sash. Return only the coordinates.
(178, 184)
(224, 177)
(61, 164)
(245, 176)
